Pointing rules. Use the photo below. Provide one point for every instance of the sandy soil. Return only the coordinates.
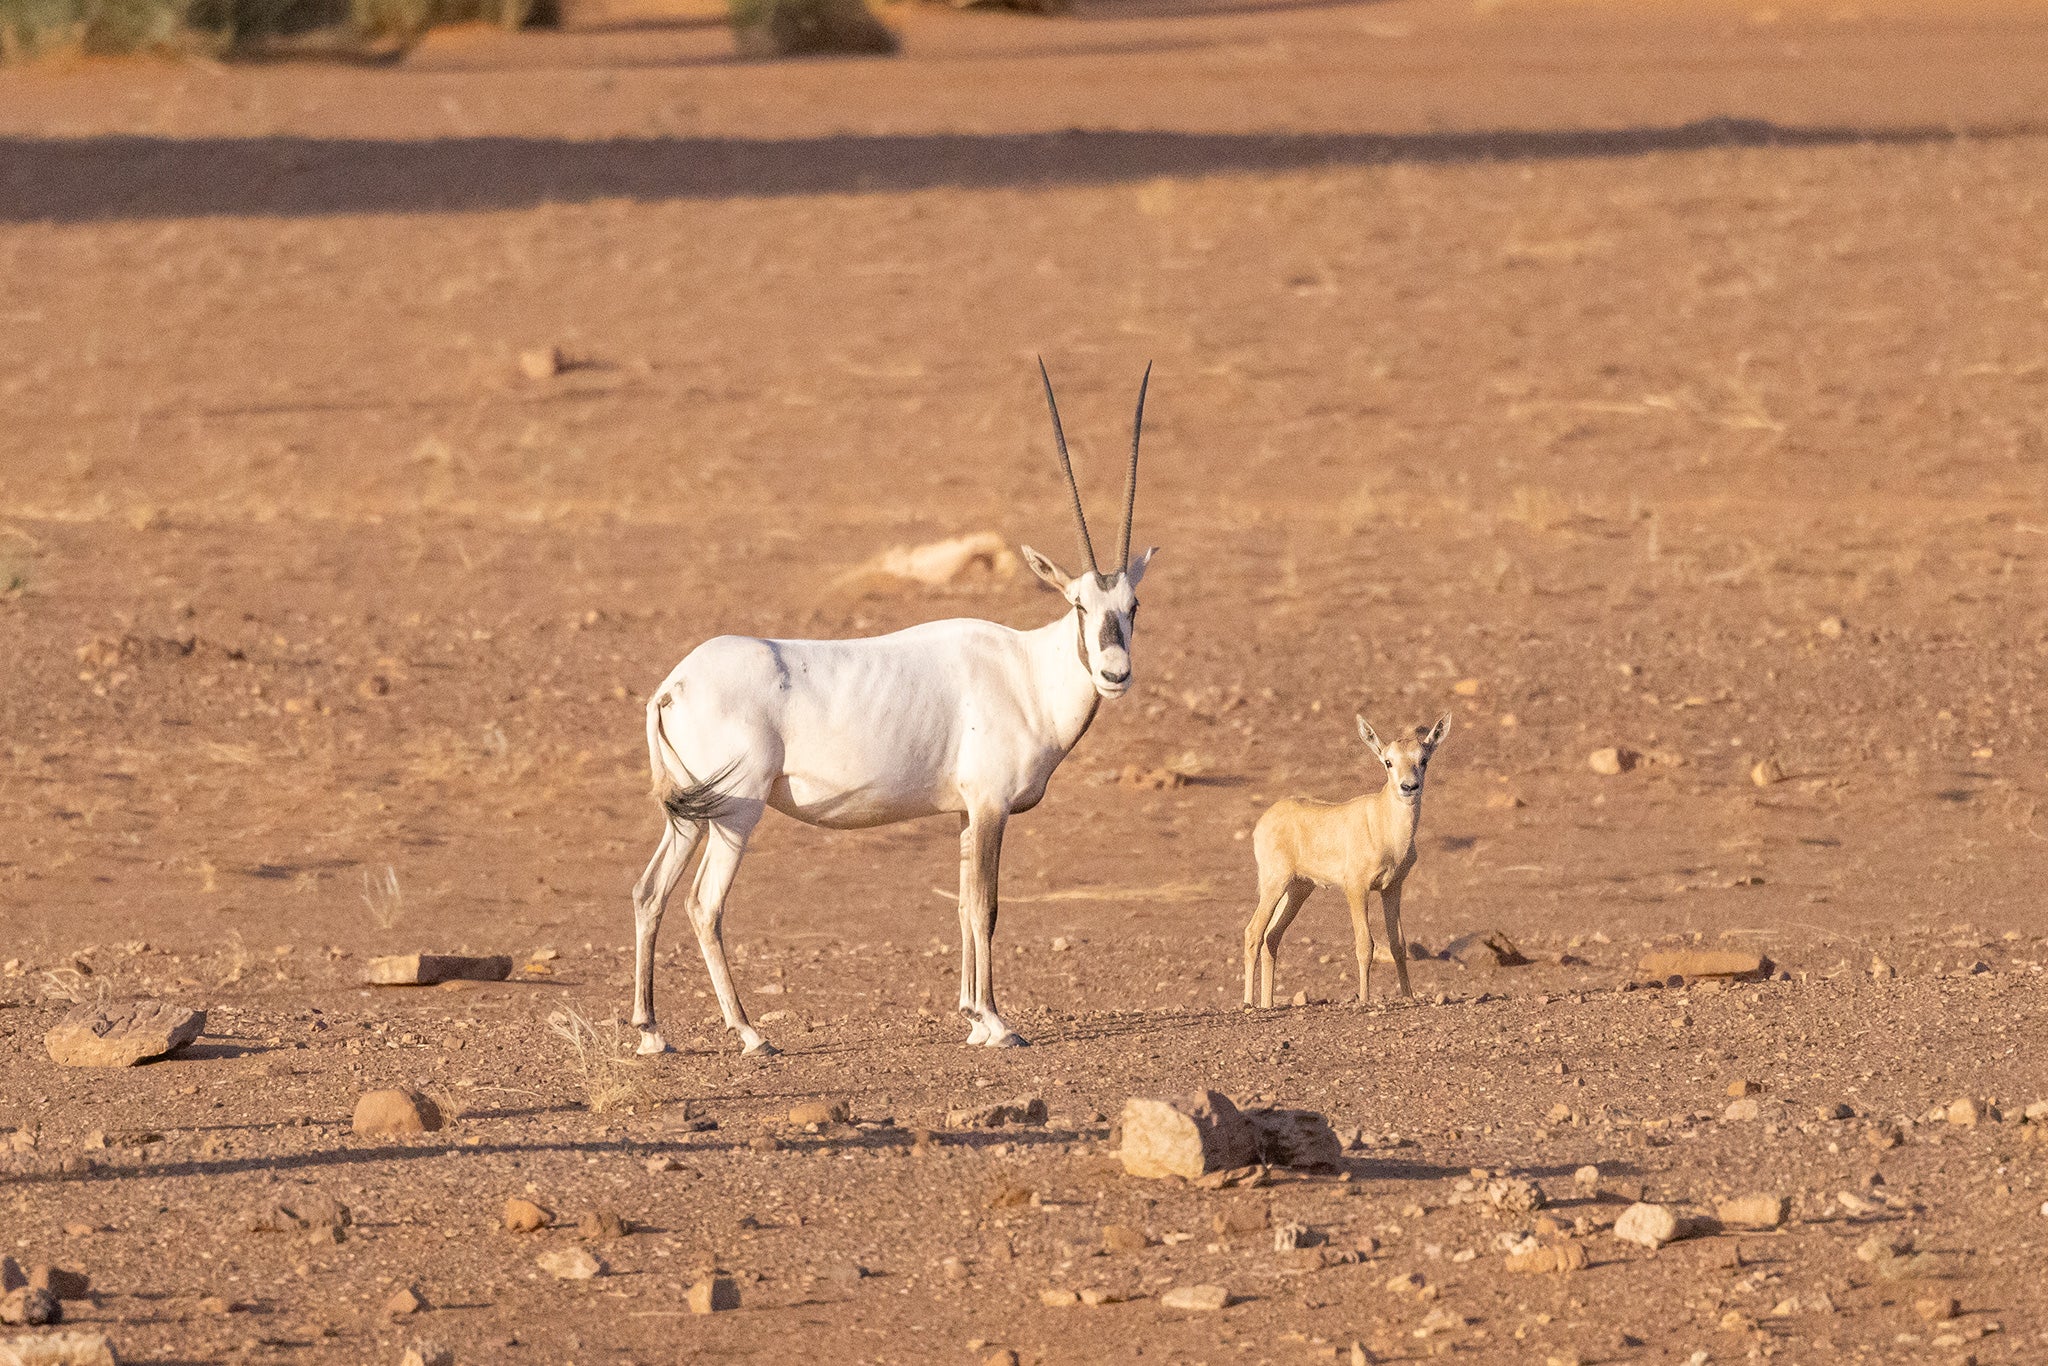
(1669, 379)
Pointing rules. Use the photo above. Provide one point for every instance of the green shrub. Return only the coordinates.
(789, 28)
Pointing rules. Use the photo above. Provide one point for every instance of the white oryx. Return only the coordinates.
(952, 716)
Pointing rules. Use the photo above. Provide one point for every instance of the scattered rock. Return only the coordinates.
(1025, 1110)
(1005, 1357)
(1124, 1238)
(572, 1264)
(396, 1112)
(1836, 1111)
(542, 363)
(1745, 1088)
(603, 1223)
(1406, 1283)
(1587, 1176)
(428, 969)
(1204, 1297)
(403, 1301)
(122, 1035)
(1831, 627)
(1938, 1308)
(1881, 1247)
(1741, 1111)
(1735, 963)
(1882, 971)
(1093, 1295)
(819, 1112)
(1493, 950)
(30, 1307)
(1201, 1134)
(2037, 1113)
(1300, 1139)
(1152, 779)
(1239, 1219)
(1966, 1111)
(57, 1349)
(1651, 1226)
(524, 1216)
(1752, 1211)
(1563, 1257)
(714, 1295)
(1515, 1195)
(1767, 772)
(1612, 761)
(1292, 1237)
(298, 1209)
(427, 1354)
(1058, 1299)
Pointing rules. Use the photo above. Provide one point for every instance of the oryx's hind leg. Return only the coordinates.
(650, 900)
(981, 851)
(724, 846)
(1271, 889)
(1291, 902)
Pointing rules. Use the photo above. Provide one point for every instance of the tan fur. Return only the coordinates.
(1364, 845)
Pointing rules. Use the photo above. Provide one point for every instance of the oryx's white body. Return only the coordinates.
(964, 717)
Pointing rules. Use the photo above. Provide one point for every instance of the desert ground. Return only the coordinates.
(1666, 378)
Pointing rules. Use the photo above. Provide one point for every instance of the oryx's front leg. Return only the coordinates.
(981, 851)
(650, 899)
(723, 850)
(1390, 903)
(1361, 940)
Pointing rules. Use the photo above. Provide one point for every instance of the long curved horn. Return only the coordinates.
(1067, 468)
(1123, 548)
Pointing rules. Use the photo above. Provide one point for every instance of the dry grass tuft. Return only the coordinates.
(611, 1076)
(382, 896)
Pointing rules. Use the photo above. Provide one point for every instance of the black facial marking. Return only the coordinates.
(1081, 637)
(1111, 633)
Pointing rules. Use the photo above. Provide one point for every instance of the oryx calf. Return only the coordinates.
(1364, 845)
(961, 716)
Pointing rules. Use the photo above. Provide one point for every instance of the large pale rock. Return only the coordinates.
(425, 969)
(57, 1349)
(396, 1112)
(1752, 1211)
(1705, 963)
(1202, 1297)
(1187, 1138)
(1540, 1260)
(714, 1295)
(1651, 1226)
(122, 1035)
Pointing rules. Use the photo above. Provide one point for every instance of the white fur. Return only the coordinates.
(961, 716)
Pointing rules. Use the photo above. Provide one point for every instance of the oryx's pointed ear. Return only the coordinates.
(1135, 570)
(1053, 575)
(1372, 740)
(1437, 732)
